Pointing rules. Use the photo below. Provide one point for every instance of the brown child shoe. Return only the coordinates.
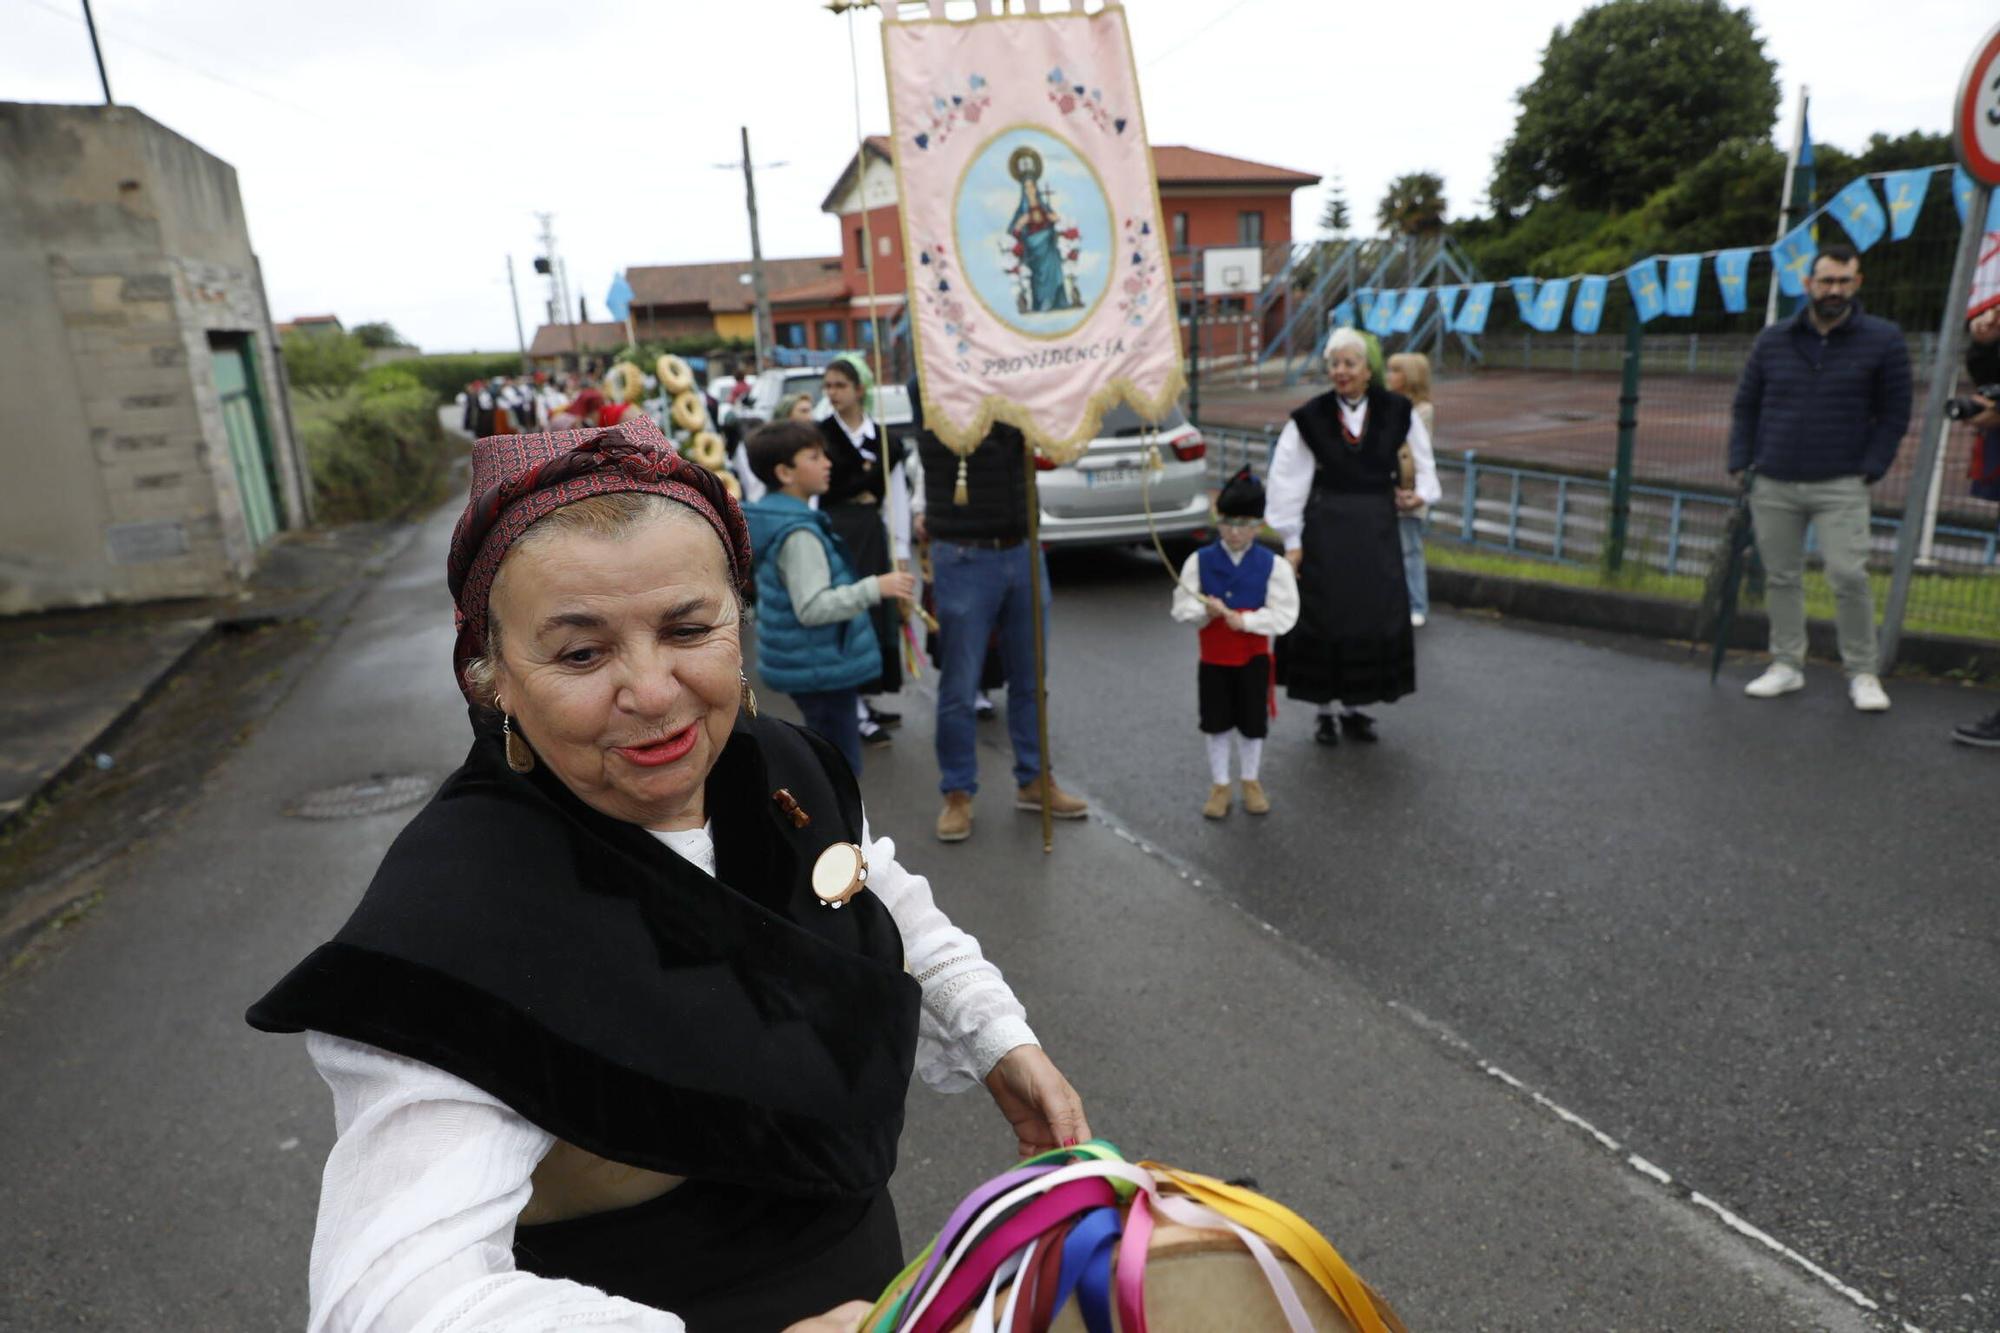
(955, 820)
(1255, 802)
(1061, 804)
(1218, 802)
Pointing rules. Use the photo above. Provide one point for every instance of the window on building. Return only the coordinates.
(791, 333)
(861, 246)
(864, 333)
(1180, 231)
(1250, 228)
(832, 334)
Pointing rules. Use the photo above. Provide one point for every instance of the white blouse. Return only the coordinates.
(1291, 474)
(428, 1172)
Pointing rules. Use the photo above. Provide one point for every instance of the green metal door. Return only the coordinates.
(249, 441)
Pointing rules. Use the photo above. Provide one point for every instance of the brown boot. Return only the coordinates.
(955, 820)
(1218, 802)
(1255, 802)
(1061, 804)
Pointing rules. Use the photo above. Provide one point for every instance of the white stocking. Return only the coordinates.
(1218, 757)
(861, 708)
(1249, 755)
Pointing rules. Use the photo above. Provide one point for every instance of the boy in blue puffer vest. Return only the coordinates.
(815, 641)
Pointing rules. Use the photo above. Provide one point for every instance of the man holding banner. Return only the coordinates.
(1819, 414)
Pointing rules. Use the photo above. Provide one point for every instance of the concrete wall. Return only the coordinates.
(122, 247)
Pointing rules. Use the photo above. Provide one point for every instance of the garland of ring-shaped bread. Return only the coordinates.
(676, 376)
(624, 383)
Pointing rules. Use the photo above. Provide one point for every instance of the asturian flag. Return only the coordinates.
(1478, 301)
(1448, 302)
(1683, 283)
(1524, 298)
(1381, 316)
(1860, 212)
(1794, 257)
(1906, 191)
(1589, 310)
(1732, 275)
(1549, 303)
(1041, 290)
(619, 299)
(1343, 314)
(1643, 278)
(1408, 309)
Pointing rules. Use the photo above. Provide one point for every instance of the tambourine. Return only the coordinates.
(688, 412)
(624, 383)
(676, 376)
(707, 449)
(840, 872)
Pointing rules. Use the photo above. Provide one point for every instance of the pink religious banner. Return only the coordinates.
(1041, 290)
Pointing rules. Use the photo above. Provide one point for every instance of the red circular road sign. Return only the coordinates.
(1976, 124)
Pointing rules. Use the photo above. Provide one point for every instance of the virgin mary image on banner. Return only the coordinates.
(1043, 279)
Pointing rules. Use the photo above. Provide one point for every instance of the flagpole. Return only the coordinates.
(1787, 206)
(1047, 779)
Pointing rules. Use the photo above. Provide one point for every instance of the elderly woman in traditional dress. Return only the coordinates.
(1339, 478)
(621, 1032)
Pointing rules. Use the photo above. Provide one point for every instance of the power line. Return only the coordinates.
(1240, 4)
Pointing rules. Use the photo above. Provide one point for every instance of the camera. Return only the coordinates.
(1964, 409)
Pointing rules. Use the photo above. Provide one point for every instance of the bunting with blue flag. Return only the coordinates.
(1549, 303)
(1962, 190)
(1448, 303)
(619, 299)
(1380, 316)
(1589, 309)
(1794, 257)
(1524, 297)
(1906, 191)
(1408, 309)
(1860, 212)
(1683, 283)
(1732, 275)
(1472, 316)
(1343, 314)
(1643, 278)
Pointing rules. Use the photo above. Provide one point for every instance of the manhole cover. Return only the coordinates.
(370, 796)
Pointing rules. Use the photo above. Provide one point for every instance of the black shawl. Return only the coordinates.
(726, 1028)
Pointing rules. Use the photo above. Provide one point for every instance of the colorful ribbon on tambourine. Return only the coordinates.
(1078, 1222)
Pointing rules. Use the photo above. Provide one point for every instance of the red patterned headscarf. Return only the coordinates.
(517, 479)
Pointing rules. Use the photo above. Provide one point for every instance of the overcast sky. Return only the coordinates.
(392, 153)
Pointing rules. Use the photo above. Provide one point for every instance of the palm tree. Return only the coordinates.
(1414, 205)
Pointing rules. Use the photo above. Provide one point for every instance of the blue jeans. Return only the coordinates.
(832, 714)
(980, 591)
(1410, 527)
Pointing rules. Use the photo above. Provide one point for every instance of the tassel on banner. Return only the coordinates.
(960, 495)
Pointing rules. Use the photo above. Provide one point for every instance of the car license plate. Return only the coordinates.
(1112, 476)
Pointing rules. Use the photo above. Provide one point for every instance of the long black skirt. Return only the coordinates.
(860, 526)
(725, 1258)
(1353, 642)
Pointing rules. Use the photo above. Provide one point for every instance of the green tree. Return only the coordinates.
(379, 334)
(1414, 205)
(1333, 218)
(323, 365)
(1630, 95)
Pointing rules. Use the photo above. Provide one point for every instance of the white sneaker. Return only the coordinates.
(1417, 619)
(1867, 693)
(1778, 678)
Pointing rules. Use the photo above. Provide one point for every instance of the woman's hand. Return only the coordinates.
(1037, 1100)
(845, 1319)
(1406, 501)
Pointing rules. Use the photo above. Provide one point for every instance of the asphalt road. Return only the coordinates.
(1756, 942)
(1754, 946)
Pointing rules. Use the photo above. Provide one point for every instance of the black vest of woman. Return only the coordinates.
(729, 1029)
(1353, 642)
(859, 524)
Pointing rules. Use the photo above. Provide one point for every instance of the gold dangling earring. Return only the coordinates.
(520, 756)
(749, 695)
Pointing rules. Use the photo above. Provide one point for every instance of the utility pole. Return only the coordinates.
(760, 291)
(90, 22)
(519, 335)
(562, 272)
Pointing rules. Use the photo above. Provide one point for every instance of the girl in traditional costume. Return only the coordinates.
(1340, 477)
(868, 482)
(1239, 594)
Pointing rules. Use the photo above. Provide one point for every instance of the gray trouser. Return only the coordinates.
(1839, 506)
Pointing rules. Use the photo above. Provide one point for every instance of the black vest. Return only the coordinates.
(996, 491)
(852, 474)
(1366, 466)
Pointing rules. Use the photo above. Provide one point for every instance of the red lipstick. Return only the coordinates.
(666, 750)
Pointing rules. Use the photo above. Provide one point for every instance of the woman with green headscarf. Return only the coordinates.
(867, 484)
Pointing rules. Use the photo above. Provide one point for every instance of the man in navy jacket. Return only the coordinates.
(1820, 412)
